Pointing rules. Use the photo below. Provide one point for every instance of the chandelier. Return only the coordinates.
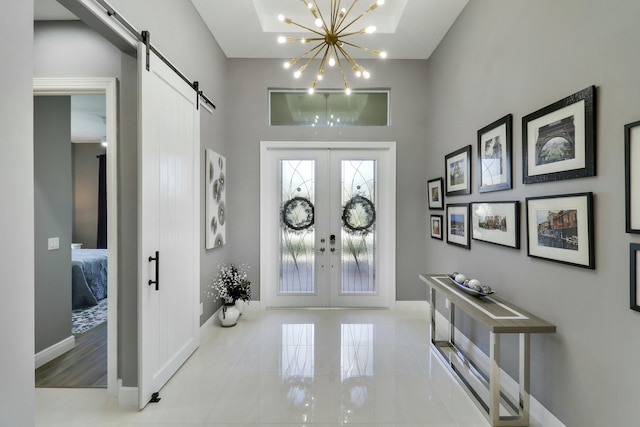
(330, 43)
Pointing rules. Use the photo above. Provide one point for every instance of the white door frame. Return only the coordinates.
(107, 87)
(268, 222)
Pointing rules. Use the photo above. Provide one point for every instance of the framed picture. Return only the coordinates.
(496, 222)
(559, 141)
(215, 195)
(494, 155)
(434, 193)
(560, 228)
(458, 225)
(632, 176)
(634, 280)
(457, 169)
(436, 227)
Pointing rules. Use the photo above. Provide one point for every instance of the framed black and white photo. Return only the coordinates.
(559, 140)
(434, 193)
(632, 176)
(457, 169)
(560, 228)
(436, 226)
(458, 225)
(494, 155)
(496, 222)
(634, 279)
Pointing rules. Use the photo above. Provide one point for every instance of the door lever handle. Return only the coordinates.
(157, 281)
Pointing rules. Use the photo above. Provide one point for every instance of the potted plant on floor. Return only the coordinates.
(234, 288)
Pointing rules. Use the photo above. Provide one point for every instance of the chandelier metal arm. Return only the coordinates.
(349, 58)
(344, 77)
(324, 22)
(366, 49)
(346, 14)
(291, 21)
(297, 58)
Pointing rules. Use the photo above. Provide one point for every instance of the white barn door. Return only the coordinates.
(169, 189)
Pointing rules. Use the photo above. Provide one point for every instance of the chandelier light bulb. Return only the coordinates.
(366, 75)
(282, 39)
(383, 54)
(370, 29)
(332, 61)
(286, 65)
(297, 74)
(303, 41)
(311, 90)
(319, 76)
(281, 18)
(358, 73)
(380, 2)
(318, 23)
(347, 91)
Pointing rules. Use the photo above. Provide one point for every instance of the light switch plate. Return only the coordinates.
(53, 243)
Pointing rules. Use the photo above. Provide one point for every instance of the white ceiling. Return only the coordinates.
(406, 29)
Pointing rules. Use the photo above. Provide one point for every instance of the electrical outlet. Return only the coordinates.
(53, 243)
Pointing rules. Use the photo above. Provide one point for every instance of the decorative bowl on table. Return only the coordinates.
(470, 286)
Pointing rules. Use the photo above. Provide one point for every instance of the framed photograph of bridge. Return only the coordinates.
(559, 140)
(560, 229)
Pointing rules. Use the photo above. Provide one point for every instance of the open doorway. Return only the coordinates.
(90, 335)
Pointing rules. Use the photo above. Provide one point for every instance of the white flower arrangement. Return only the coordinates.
(232, 283)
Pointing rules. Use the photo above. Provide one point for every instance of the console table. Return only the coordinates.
(499, 317)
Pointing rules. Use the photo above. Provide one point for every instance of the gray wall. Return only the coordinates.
(249, 79)
(53, 210)
(85, 193)
(61, 49)
(516, 57)
(17, 393)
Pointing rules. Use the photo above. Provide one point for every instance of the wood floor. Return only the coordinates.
(84, 366)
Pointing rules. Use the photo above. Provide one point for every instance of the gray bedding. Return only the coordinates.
(88, 277)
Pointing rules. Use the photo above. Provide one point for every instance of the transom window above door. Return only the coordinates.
(328, 108)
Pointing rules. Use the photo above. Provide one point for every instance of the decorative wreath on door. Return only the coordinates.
(359, 215)
(298, 213)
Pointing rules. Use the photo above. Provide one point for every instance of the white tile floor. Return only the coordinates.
(292, 367)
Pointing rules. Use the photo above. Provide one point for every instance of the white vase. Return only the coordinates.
(240, 305)
(228, 315)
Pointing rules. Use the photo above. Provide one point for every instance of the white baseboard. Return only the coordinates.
(58, 349)
(127, 396)
(539, 414)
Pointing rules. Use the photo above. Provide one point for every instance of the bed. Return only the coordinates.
(88, 277)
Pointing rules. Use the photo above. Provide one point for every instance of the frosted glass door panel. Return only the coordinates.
(358, 226)
(297, 227)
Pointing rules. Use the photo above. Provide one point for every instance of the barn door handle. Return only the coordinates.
(157, 281)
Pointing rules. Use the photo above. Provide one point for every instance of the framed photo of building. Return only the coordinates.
(494, 155)
(632, 176)
(497, 223)
(458, 225)
(559, 140)
(560, 228)
(634, 279)
(457, 170)
(436, 226)
(434, 193)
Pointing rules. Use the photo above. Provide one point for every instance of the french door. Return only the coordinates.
(328, 225)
